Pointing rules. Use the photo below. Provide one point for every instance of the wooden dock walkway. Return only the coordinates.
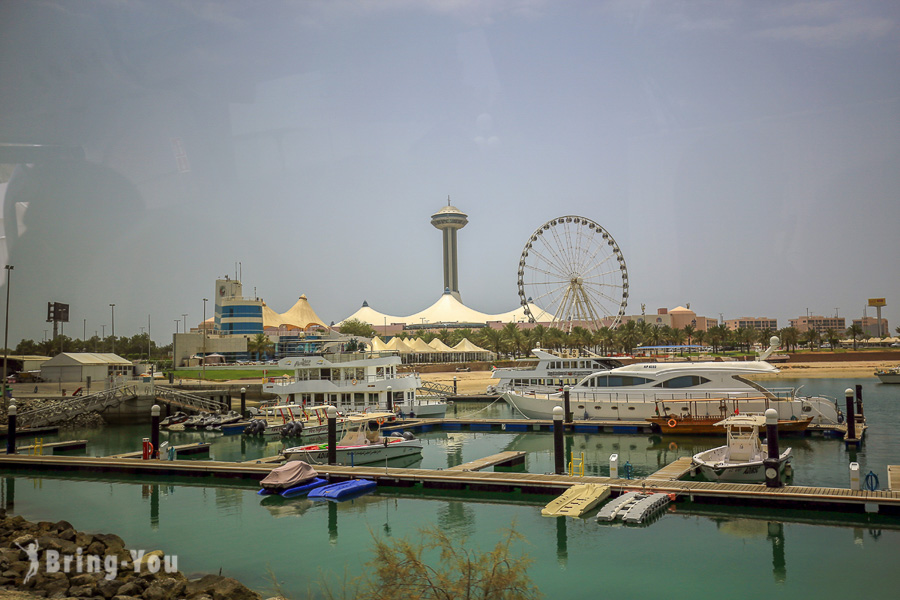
(675, 470)
(54, 446)
(198, 448)
(518, 486)
(508, 458)
(893, 478)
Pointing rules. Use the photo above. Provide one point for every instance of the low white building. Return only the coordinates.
(78, 366)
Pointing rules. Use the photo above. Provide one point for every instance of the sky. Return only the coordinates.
(742, 153)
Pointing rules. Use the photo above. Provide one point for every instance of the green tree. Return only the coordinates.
(811, 338)
(259, 344)
(689, 331)
(855, 331)
(357, 327)
(790, 337)
(832, 337)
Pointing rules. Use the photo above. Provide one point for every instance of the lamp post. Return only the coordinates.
(112, 309)
(184, 324)
(205, 300)
(177, 321)
(6, 332)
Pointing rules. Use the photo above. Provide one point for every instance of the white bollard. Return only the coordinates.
(854, 476)
(613, 466)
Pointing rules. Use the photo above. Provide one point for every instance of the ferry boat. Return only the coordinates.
(550, 373)
(635, 392)
(741, 458)
(891, 375)
(353, 382)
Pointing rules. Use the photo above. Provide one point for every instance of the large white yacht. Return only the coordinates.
(550, 373)
(700, 389)
(352, 382)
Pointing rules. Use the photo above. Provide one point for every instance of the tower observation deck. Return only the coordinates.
(449, 219)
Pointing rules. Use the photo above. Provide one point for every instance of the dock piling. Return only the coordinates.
(771, 466)
(390, 399)
(11, 429)
(613, 466)
(559, 455)
(859, 402)
(154, 431)
(568, 407)
(332, 432)
(243, 403)
(851, 418)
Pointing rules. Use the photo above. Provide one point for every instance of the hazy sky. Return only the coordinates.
(743, 153)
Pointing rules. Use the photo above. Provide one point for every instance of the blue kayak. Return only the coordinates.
(303, 489)
(337, 491)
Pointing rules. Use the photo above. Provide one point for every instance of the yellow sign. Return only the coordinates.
(877, 302)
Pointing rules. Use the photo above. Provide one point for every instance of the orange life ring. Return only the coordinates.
(380, 420)
(672, 423)
(673, 446)
(354, 382)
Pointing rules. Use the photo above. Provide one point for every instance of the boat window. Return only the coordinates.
(683, 381)
(617, 381)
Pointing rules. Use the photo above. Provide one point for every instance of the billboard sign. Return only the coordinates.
(877, 302)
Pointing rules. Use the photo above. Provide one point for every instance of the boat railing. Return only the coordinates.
(639, 397)
(284, 380)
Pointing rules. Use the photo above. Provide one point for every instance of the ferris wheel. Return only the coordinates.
(572, 269)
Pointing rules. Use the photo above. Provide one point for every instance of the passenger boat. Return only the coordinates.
(290, 420)
(671, 422)
(891, 375)
(550, 373)
(741, 458)
(633, 393)
(352, 382)
(363, 444)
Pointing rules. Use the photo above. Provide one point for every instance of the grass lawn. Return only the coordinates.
(226, 374)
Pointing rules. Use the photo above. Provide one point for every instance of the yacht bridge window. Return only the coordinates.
(616, 381)
(684, 381)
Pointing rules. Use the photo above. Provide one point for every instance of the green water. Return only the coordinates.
(693, 552)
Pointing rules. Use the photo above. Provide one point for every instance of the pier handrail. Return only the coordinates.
(438, 389)
(73, 406)
(191, 400)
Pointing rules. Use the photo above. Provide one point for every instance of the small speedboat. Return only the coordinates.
(741, 458)
(362, 445)
(291, 479)
(178, 417)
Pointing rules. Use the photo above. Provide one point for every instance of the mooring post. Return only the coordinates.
(558, 452)
(11, 428)
(243, 402)
(332, 434)
(390, 399)
(154, 431)
(771, 466)
(454, 385)
(568, 408)
(859, 405)
(851, 418)
(613, 466)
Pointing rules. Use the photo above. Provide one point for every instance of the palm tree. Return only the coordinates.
(832, 338)
(259, 344)
(510, 333)
(689, 331)
(537, 336)
(855, 331)
(492, 339)
(555, 338)
(790, 337)
(811, 337)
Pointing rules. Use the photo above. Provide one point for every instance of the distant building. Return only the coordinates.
(235, 314)
(79, 366)
(870, 326)
(761, 323)
(818, 323)
(677, 318)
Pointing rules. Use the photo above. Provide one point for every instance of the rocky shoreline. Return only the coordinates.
(53, 560)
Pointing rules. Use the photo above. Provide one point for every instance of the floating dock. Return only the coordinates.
(52, 446)
(533, 487)
(576, 500)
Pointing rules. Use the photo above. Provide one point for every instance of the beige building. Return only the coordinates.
(870, 326)
(80, 366)
(761, 323)
(677, 318)
(818, 323)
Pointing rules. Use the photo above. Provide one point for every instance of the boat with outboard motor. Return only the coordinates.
(550, 373)
(291, 479)
(741, 458)
(634, 393)
(362, 444)
(890, 375)
(353, 382)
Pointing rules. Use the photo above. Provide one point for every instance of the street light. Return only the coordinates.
(6, 332)
(112, 309)
(184, 324)
(205, 300)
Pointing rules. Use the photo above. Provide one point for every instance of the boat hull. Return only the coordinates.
(356, 455)
(706, 425)
(638, 408)
(751, 471)
(889, 377)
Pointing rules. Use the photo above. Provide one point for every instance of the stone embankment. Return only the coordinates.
(91, 419)
(53, 560)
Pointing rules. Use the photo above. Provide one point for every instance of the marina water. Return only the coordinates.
(696, 551)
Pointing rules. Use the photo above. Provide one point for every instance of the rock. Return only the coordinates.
(83, 540)
(220, 588)
(90, 579)
(62, 526)
(135, 587)
(81, 591)
(110, 540)
(97, 548)
(49, 542)
(109, 587)
(165, 588)
(121, 597)
(51, 583)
